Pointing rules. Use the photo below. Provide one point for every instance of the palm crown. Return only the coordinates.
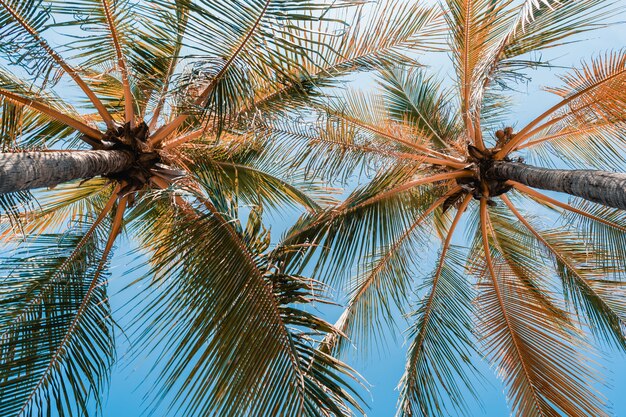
(530, 298)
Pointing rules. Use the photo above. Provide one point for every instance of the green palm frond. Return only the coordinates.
(258, 40)
(382, 286)
(414, 98)
(11, 206)
(23, 23)
(441, 343)
(251, 172)
(248, 314)
(56, 331)
(371, 218)
(395, 30)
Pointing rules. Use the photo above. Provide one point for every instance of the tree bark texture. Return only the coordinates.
(606, 188)
(28, 170)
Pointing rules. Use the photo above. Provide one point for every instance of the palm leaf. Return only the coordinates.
(56, 329)
(245, 315)
(441, 344)
(539, 359)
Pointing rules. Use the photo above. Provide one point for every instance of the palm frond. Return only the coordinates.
(540, 360)
(256, 38)
(384, 283)
(371, 217)
(256, 177)
(64, 205)
(581, 281)
(24, 24)
(535, 25)
(56, 331)
(473, 24)
(384, 34)
(441, 340)
(413, 97)
(593, 92)
(245, 334)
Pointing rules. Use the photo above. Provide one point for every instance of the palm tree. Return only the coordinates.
(533, 300)
(170, 138)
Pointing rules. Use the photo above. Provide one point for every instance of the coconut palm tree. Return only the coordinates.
(530, 298)
(168, 136)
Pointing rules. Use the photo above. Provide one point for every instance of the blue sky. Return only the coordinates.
(382, 369)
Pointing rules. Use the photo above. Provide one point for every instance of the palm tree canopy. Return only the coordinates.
(199, 93)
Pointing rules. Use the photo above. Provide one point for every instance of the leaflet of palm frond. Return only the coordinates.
(609, 236)
(415, 98)
(11, 207)
(537, 25)
(542, 362)
(12, 115)
(393, 28)
(66, 204)
(257, 178)
(238, 333)
(438, 369)
(580, 279)
(596, 144)
(57, 332)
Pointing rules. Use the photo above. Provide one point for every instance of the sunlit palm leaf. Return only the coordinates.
(540, 360)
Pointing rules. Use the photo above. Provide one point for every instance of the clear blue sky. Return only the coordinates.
(383, 370)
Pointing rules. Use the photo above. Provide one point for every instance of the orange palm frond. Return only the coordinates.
(54, 114)
(121, 62)
(597, 90)
(539, 360)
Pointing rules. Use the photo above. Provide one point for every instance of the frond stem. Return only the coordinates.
(129, 110)
(484, 220)
(55, 114)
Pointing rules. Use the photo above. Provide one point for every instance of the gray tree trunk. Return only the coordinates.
(607, 188)
(28, 170)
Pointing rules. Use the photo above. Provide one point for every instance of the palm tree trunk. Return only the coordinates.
(606, 188)
(28, 170)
